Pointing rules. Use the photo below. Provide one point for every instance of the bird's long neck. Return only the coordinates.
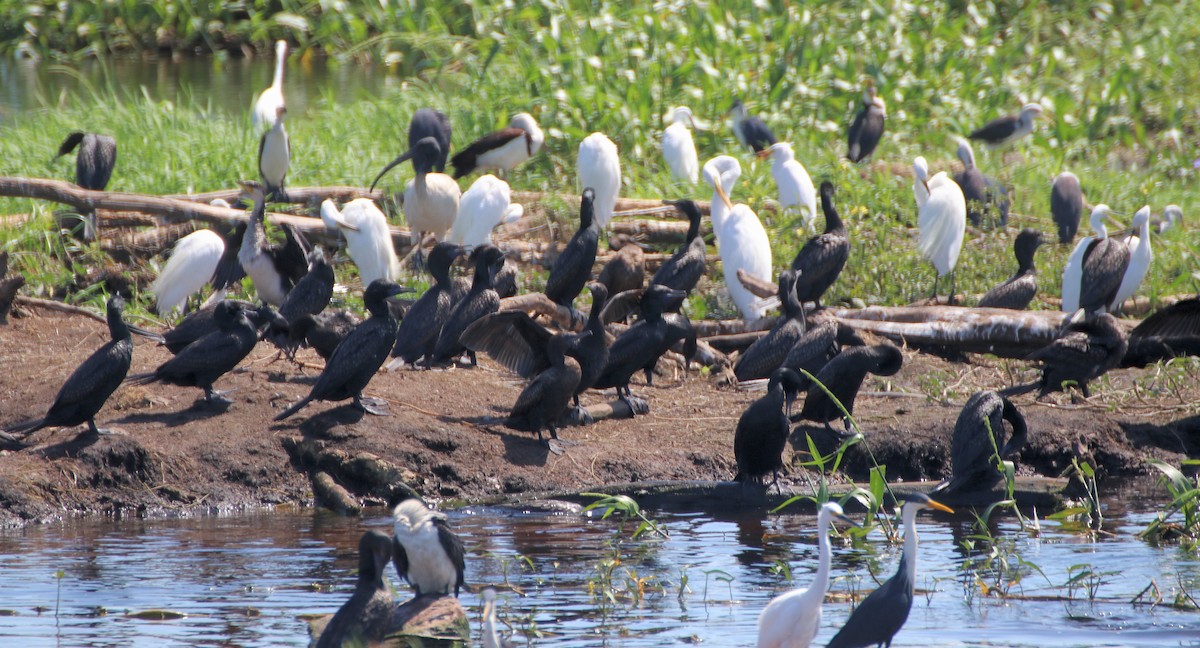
(909, 558)
(833, 220)
(420, 183)
(117, 328)
(821, 579)
(256, 236)
(279, 65)
(693, 229)
(791, 304)
(483, 277)
(593, 323)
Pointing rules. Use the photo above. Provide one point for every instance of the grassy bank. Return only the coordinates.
(1116, 80)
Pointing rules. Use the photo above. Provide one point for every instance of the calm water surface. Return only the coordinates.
(243, 580)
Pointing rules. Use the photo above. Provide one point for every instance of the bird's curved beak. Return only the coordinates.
(405, 156)
(721, 192)
(941, 507)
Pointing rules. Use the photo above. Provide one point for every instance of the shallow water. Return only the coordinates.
(243, 579)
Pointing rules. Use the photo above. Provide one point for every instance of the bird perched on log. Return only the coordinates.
(769, 351)
(762, 430)
(486, 204)
(273, 269)
(1021, 288)
(984, 194)
(684, 269)
(742, 241)
(626, 270)
(942, 220)
(795, 187)
(1009, 127)
(275, 156)
(367, 615)
(642, 344)
(750, 130)
(94, 165)
(678, 148)
(418, 332)
(867, 128)
(1095, 269)
(203, 321)
(547, 396)
(1140, 257)
(427, 122)
(267, 105)
(972, 452)
(86, 390)
(1089, 345)
(368, 237)
(1167, 333)
(599, 167)
(481, 300)
(843, 376)
(1066, 205)
(573, 266)
(819, 263)
(427, 554)
(355, 361)
(202, 362)
(503, 149)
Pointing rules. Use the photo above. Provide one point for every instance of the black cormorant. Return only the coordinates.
(642, 344)
(768, 352)
(1009, 127)
(750, 130)
(418, 332)
(573, 267)
(762, 430)
(547, 396)
(815, 348)
(1104, 262)
(626, 270)
(312, 293)
(1172, 331)
(83, 394)
(972, 453)
(273, 269)
(427, 554)
(972, 183)
(427, 122)
(322, 332)
(479, 301)
(684, 269)
(843, 376)
(1088, 346)
(1021, 288)
(1066, 205)
(355, 361)
(505, 283)
(94, 165)
(822, 258)
(201, 322)
(202, 362)
(867, 128)
(367, 616)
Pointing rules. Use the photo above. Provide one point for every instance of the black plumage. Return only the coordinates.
(985, 195)
(367, 616)
(684, 269)
(1088, 346)
(274, 269)
(1021, 288)
(425, 154)
(355, 361)
(229, 270)
(972, 452)
(750, 130)
(843, 376)
(996, 131)
(546, 397)
(505, 283)
(763, 429)
(418, 332)
(201, 322)
(573, 267)
(202, 362)
(427, 122)
(1066, 205)
(94, 164)
(1104, 263)
(819, 263)
(1170, 332)
(642, 344)
(88, 387)
(322, 332)
(312, 292)
(815, 348)
(481, 300)
(769, 351)
(626, 270)
(867, 128)
(465, 161)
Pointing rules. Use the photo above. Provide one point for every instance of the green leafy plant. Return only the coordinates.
(1181, 519)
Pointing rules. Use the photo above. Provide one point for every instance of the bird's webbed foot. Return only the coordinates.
(373, 406)
(214, 397)
(579, 416)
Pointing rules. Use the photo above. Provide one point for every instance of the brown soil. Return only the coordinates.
(445, 440)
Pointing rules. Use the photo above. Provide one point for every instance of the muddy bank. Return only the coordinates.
(445, 440)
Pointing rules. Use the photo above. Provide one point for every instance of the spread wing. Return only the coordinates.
(512, 339)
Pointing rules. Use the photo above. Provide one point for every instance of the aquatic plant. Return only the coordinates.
(1185, 501)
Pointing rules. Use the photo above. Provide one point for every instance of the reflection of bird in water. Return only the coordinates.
(88, 387)
(491, 636)
(972, 452)
(427, 554)
(791, 620)
(843, 376)
(880, 616)
(1087, 347)
(94, 165)
(762, 430)
(367, 615)
(1021, 288)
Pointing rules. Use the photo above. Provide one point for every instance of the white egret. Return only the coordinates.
(791, 620)
(368, 237)
(1140, 256)
(679, 149)
(503, 149)
(599, 167)
(1094, 271)
(266, 107)
(192, 264)
(275, 155)
(1009, 127)
(750, 130)
(942, 220)
(742, 242)
(482, 207)
(796, 190)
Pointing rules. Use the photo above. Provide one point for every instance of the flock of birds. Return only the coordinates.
(457, 318)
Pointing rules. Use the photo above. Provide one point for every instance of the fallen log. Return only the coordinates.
(1001, 332)
(295, 195)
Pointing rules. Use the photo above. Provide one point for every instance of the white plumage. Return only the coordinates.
(1072, 278)
(275, 153)
(791, 620)
(942, 220)
(599, 167)
(368, 238)
(486, 204)
(920, 180)
(678, 148)
(1140, 256)
(796, 190)
(742, 242)
(515, 151)
(267, 104)
(192, 264)
(431, 204)
(430, 569)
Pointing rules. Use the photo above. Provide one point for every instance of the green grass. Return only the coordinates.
(1116, 79)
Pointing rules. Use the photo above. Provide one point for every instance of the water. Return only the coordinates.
(243, 580)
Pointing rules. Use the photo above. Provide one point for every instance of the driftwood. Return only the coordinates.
(1005, 333)
(760, 287)
(418, 622)
(296, 195)
(332, 496)
(49, 304)
(145, 243)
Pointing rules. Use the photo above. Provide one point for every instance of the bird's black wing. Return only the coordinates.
(92, 382)
(819, 263)
(400, 560)
(621, 305)
(310, 295)
(358, 354)
(758, 135)
(229, 270)
(454, 550)
(683, 270)
(1179, 320)
(865, 133)
(768, 352)
(70, 143)
(1104, 264)
(573, 267)
(292, 257)
(464, 161)
(421, 324)
(996, 130)
(104, 160)
(511, 338)
(215, 353)
(1014, 294)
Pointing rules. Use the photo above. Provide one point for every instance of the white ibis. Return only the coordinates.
(1009, 127)
(486, 204)
(867, 128)
(750, 130)
(599, 167)
(368, 238)
(1094, 271)
(678, 148)
(94, 165)
(1140, 256)
(941, 218)
(1066, 205)
(796, 190)
(275, 155)
(266, 107)
(430, 199)
(742, 242)
(503, 149)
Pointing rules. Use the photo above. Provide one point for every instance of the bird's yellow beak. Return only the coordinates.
(763, 154)
(721, 192)
(941, 507)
